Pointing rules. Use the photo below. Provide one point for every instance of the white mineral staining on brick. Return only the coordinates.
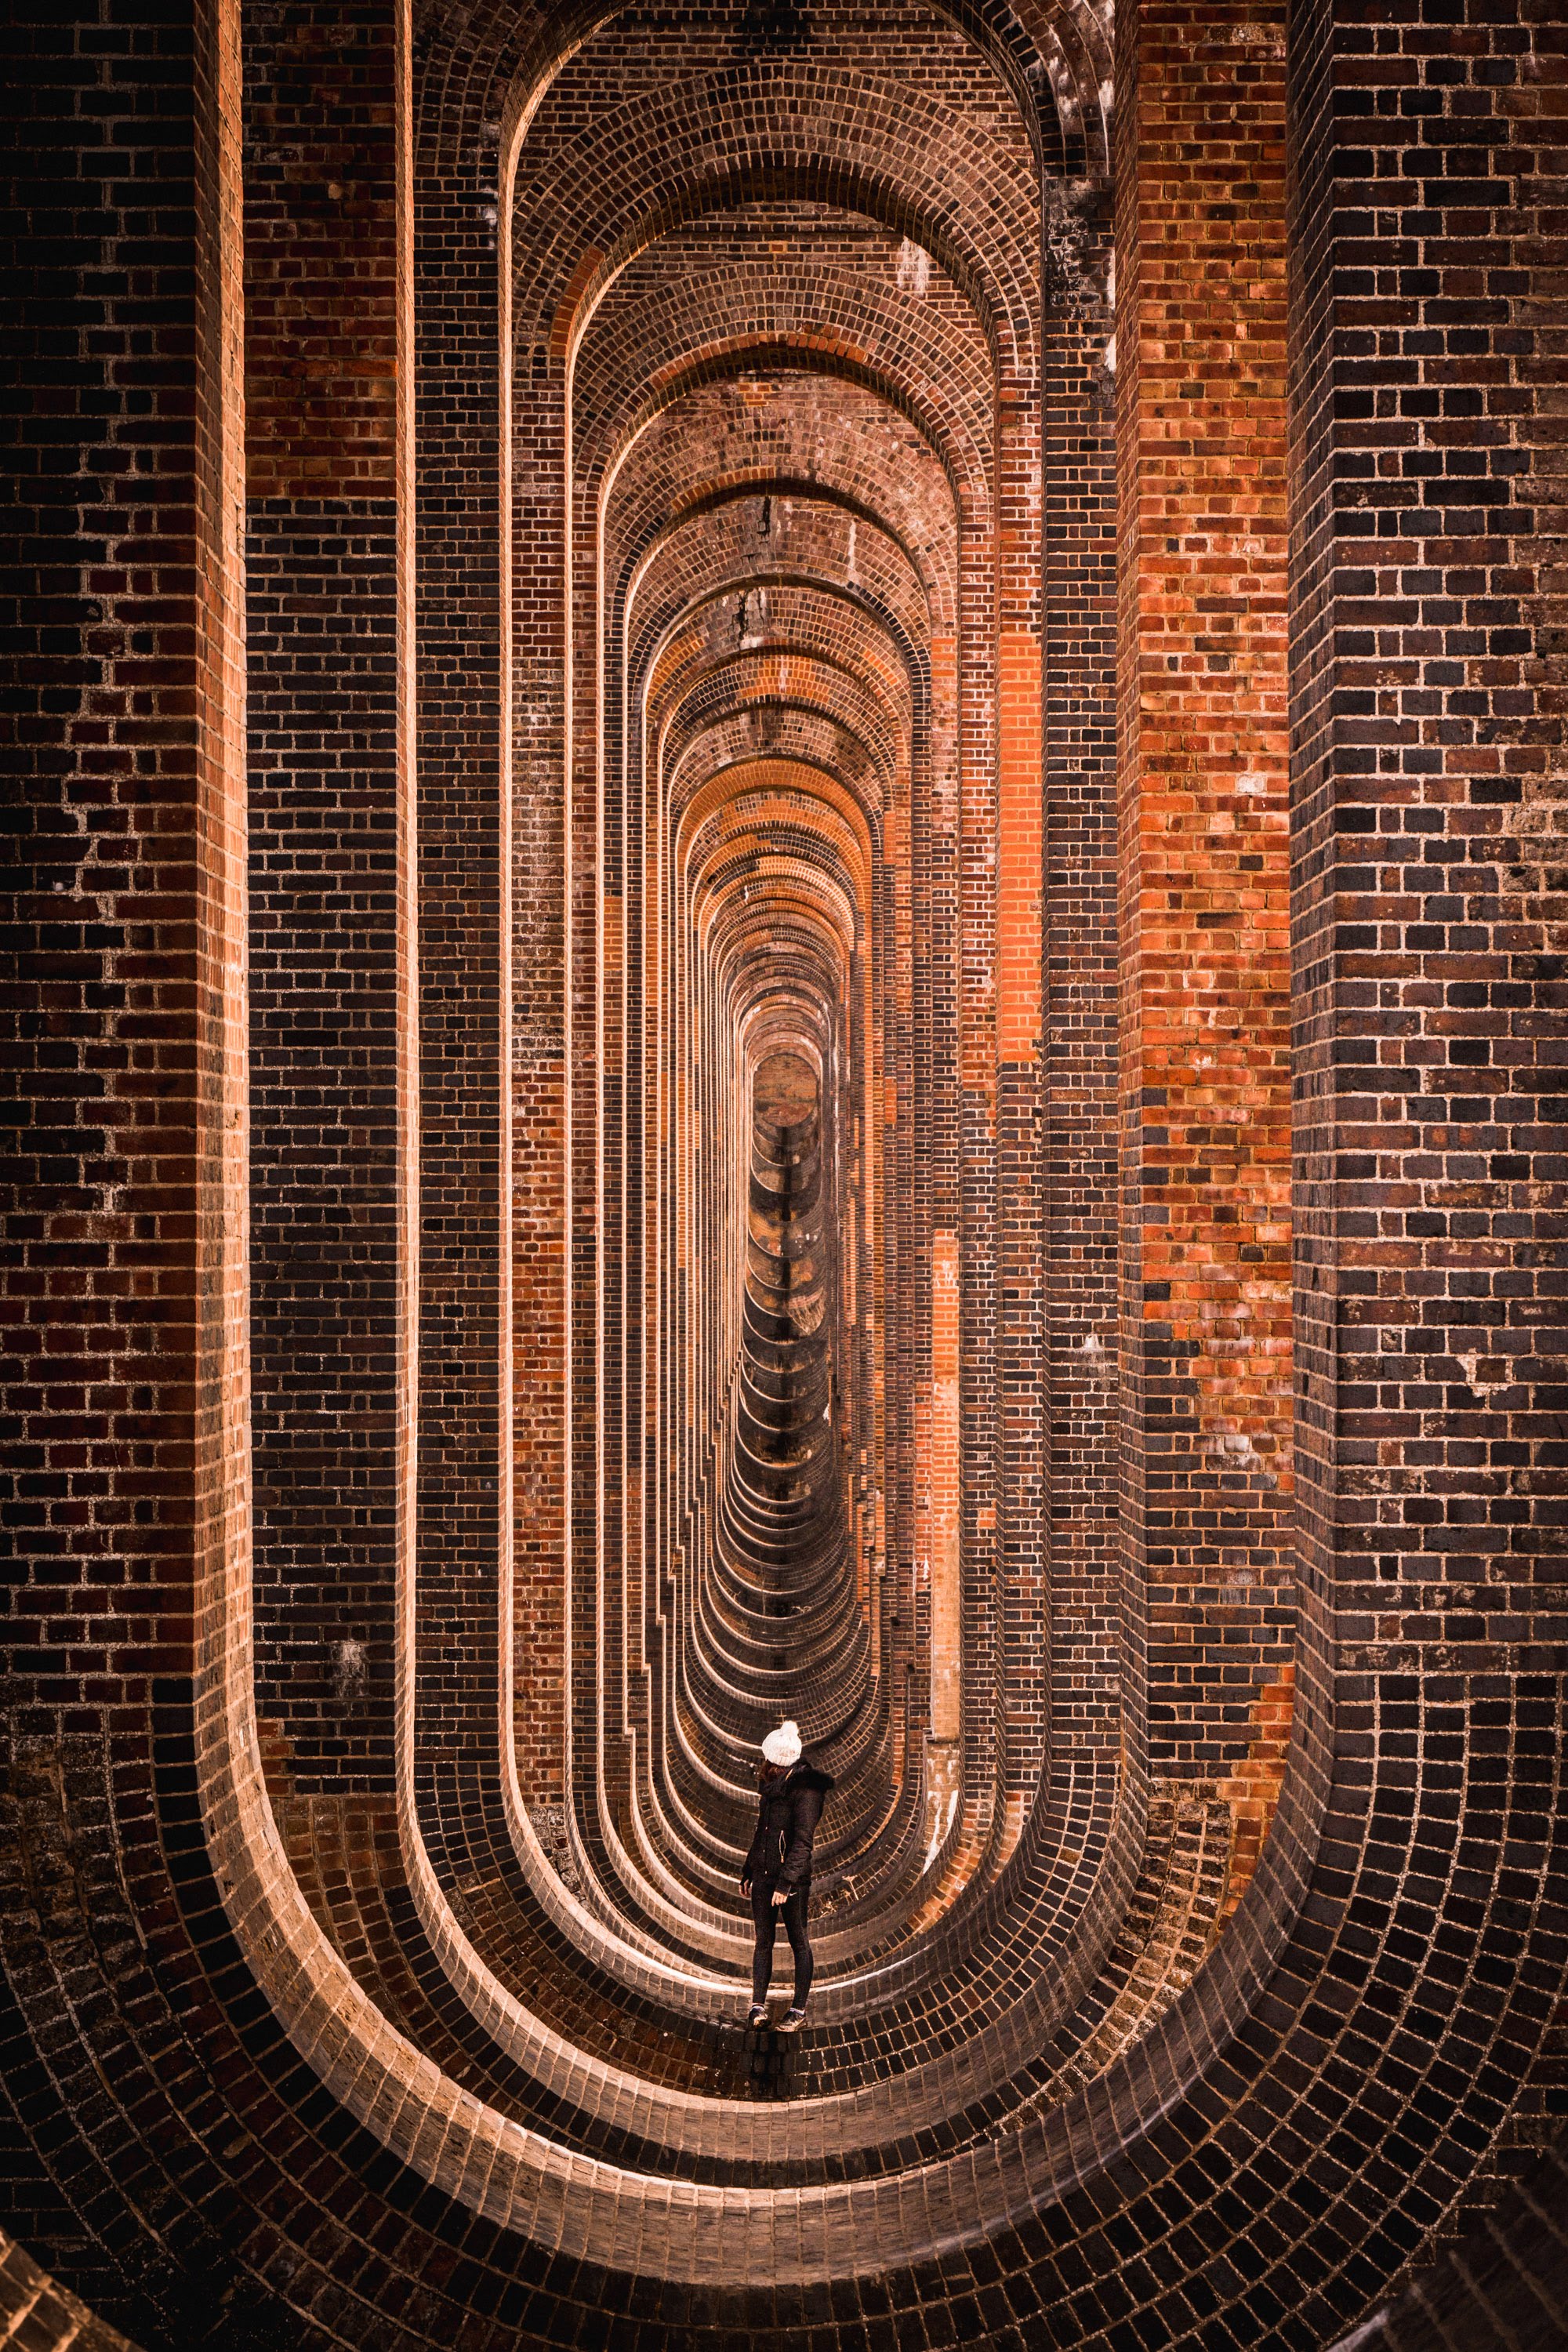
(914, 268)
(351, 1667)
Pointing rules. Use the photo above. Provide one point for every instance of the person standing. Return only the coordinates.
(776, 1873)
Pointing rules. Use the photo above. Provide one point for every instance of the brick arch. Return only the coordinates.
(880, 647)
(773, 353)
(579, 445)
(579, 450)
(810, 738)
(724, 697)
(719, 555)
(883, 151)
(900, 496)
(871, 702)
(699, 753)
(742, 823)
(498, 64)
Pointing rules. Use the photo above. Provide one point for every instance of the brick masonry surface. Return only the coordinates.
(320, 259)
(785, 824)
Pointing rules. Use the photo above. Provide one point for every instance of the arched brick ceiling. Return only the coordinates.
(916, 171)
(717, 557)
(828, 439)
(479, 63)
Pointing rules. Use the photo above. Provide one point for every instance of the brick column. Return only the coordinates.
(1427, 720)
(122, 1283)
(464, 1505)
(330, 943)
(1204, 879)
(1079, 595)
(1023, 1399)
(974, 851)
(534, 413)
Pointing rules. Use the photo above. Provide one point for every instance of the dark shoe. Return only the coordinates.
(791, 2022)
(757, 2015)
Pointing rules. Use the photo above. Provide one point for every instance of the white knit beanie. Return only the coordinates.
(783, 1746)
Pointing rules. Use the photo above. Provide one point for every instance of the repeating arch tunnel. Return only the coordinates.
(778, 1081)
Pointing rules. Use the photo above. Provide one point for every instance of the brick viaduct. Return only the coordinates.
(785, 825)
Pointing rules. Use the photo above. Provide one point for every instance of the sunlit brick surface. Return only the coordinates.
(790, 928)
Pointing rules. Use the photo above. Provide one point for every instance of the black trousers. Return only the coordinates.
(765, 1919)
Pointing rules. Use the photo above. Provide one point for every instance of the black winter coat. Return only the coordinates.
(788, 1810)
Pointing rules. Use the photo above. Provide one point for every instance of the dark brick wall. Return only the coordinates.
(324, 1171)
(1427, 723)
(123, 697)
(328, 915)
(321, 255)
(463, 1016)
(1079, 1177)
(1425, 726)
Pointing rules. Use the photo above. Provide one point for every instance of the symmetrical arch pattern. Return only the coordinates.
(805, 772)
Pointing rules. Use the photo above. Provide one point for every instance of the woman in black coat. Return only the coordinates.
(776, 1873)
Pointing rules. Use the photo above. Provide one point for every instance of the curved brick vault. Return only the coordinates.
(789, 939)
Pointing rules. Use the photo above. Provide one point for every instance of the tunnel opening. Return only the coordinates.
(785, 1520)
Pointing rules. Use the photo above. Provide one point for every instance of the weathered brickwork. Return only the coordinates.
(1081, 880)
(1200, 352)
(322, 651)
(322, 284)
(789, 889)
(322, 262)
(36, 2310)
(127, 695)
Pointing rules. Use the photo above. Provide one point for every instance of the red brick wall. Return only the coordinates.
(321, 255)
(1206, 1076)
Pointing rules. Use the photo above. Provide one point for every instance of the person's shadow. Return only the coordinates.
(769, 2062)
